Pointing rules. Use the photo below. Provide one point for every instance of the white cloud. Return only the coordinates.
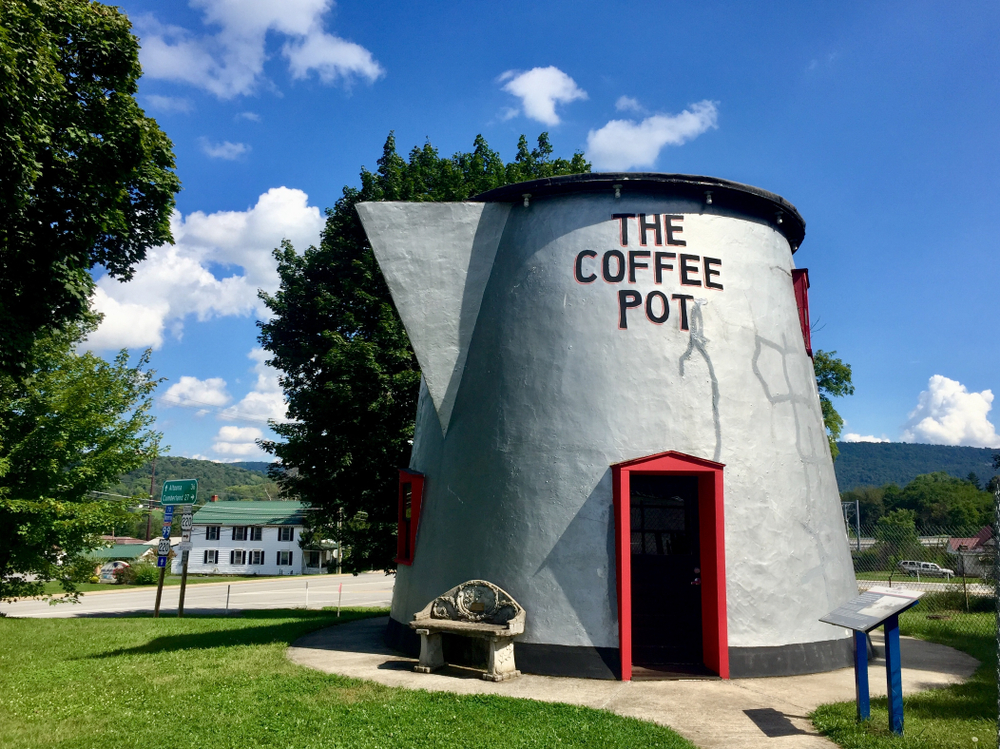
(948, 414)
(239, 441)
(175, 281)
(853, 437)
(168, 104)
(225, 150)
(251, 116)
(331, 57)
(190, 391)
(230, 62)
(623, 144)
(629, 104)
(265, 401)
(540, 89)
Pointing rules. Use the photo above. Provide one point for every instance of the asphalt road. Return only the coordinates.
(937, 586)
(368, 589)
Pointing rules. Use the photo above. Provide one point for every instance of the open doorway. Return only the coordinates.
(666, 574)
(670, 553)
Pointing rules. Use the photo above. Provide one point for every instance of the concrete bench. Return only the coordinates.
(476, 609)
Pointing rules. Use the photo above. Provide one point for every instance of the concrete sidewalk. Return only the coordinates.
(751, 713)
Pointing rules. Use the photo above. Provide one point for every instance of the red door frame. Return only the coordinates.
(715, 636)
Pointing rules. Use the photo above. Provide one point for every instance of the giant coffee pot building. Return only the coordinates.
(619, 424)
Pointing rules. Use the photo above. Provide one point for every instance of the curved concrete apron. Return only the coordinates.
(748, 713)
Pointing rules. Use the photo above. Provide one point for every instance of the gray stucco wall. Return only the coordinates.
(552, 393)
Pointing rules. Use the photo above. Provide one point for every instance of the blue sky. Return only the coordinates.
(879, 121)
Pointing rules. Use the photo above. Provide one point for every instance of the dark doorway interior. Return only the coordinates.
(666, 579)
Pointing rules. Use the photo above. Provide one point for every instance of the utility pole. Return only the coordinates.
(149, 505)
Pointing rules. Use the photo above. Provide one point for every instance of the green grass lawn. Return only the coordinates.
(940, 718)
(54, 588)
(225, 683)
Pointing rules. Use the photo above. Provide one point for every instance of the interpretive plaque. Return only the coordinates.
(868, 610)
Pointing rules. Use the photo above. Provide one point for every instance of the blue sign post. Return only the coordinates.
(870, 610)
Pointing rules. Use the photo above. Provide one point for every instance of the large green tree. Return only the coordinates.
(86, 179)
(833, 377)
(349, 372)
(71, 426)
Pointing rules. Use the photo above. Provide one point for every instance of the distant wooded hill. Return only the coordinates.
(246, 481)
(879, 463)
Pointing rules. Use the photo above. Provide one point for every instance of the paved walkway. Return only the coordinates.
(747, 713)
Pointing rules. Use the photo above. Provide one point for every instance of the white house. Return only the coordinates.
(251, 538)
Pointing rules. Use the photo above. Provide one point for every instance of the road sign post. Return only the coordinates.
(186, 524)
(182, 492)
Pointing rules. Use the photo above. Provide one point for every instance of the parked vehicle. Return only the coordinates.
(927, 569)
(107, 574)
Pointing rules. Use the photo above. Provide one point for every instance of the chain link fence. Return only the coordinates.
(953, 566)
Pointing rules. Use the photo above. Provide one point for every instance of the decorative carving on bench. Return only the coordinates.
(476, 608)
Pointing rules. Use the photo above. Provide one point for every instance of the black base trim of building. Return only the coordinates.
(604, 663)
(791, 660)
(532, 658)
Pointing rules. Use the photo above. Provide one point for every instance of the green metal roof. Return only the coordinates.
(250, 513)
(120, 551)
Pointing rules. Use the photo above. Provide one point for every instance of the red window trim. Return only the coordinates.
(407, 540)
(800, 282)
(715, 635)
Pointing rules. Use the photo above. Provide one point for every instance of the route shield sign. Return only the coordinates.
(163, 547)
(180, 492)
(168, 513)
(187, 522)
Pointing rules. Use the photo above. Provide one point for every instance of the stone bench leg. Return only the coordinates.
(500, 661)
(431, 652)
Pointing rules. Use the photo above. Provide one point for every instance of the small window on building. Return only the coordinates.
(211, 533)
(284, 559)
(256, 533)
(237, 556)
(411, 490)
(286, 534)
(212, 555)
(312, 559)
(800, 283)
(256, 557)
(239, 533)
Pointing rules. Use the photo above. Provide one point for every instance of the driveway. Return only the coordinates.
(367, 589)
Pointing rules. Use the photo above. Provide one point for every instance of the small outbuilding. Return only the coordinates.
(619, 424)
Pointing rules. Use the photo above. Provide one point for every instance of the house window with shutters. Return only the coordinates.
(256, 533)
(212, 532)
(286, 534)
(237, 556)
(239, 533)
(211, 556)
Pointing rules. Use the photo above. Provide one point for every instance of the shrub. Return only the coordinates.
(145, 574)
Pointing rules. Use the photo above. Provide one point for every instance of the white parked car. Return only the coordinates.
(928, 569)
(107, 574)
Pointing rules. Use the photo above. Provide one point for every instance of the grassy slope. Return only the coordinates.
(940, 718)
(224, 683)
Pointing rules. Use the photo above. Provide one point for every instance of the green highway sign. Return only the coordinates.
(181, 492)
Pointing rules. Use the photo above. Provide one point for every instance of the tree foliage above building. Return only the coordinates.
(349, 372)
(86, 179)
